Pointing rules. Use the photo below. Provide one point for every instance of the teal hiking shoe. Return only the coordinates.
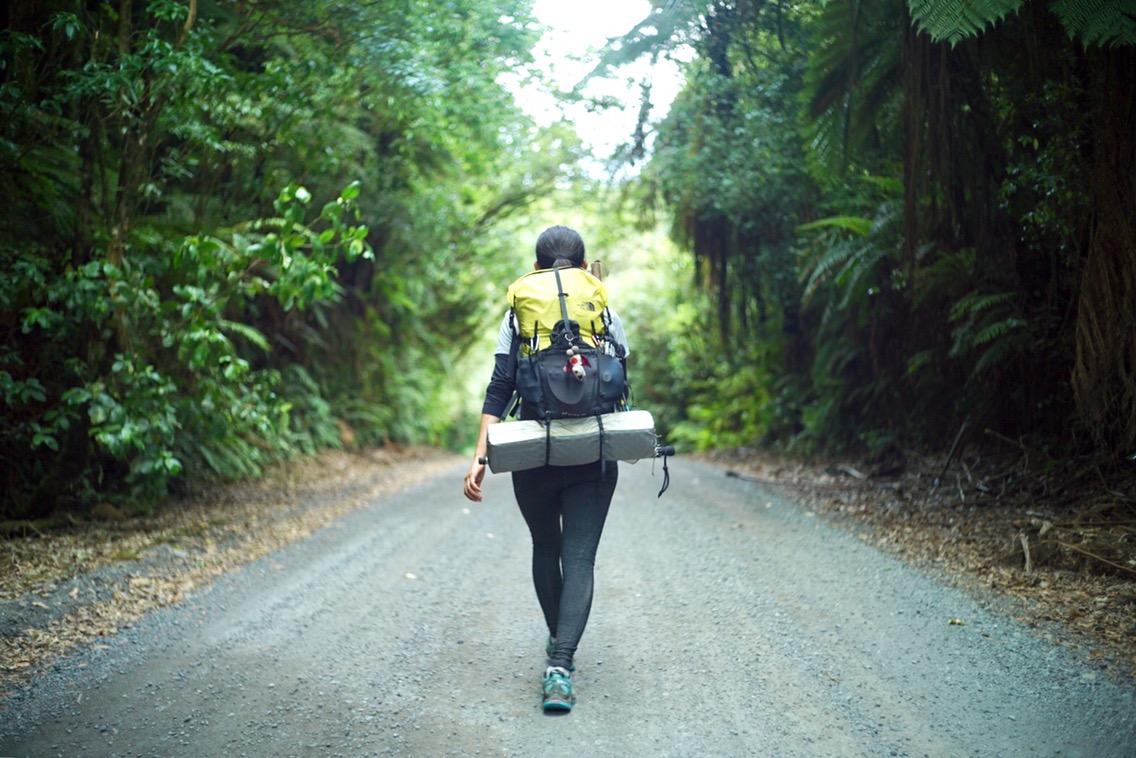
(558, 694)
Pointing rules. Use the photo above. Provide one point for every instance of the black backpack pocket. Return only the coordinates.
(549, 389)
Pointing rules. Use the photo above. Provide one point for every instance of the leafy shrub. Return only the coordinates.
(127, 376)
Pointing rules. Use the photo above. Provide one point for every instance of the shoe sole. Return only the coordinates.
(557, 705)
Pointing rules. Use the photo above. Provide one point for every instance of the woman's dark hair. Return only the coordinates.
(559, 246)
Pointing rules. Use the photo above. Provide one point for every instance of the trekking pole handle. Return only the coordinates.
(662, 451)
(483, 460)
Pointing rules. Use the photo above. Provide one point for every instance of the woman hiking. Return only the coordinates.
(564, 506)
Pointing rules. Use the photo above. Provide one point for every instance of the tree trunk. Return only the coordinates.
(1104, 377)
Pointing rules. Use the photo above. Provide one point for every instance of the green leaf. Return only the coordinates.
(30, 390)
(250, 333)
(68, 23)
(42, 439)
(351, 191)
(44, 318)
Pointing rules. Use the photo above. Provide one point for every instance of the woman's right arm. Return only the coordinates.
(497, 397)
(476, 473)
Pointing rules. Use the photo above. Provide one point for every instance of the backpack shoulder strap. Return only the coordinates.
(511, 365)
(563, 297)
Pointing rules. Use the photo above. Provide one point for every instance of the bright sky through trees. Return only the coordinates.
(567, 54)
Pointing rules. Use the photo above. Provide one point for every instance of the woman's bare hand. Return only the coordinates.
(473, 479)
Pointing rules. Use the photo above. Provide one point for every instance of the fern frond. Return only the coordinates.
(989, 330)
(917, 362)
(956, 20)
(833, 258)
(854, 224)
(888, 219)
(997, 330)
(999, 352)
(1107, 23)
(859, 270)
(948, 269)
(976, 302)
(853, 79)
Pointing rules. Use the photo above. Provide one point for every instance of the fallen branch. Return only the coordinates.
(1094, 556)
(950, 456)
(759, 479)
(1009, 440)
(21, 527)
(865, 482)
(784, 482)
(1026, 449)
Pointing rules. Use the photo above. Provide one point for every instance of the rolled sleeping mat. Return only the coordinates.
(520, 445)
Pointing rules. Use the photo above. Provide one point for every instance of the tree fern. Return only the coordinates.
(854, 224)
(1098, 22)
(997, 330)
(989, 331)
(861, 276)
(918, 362)
(819, 273)
(1000, 343)
(851, 251)
(944, 277)
(853, 80)
(977, 303)
(853, 265)
(1090, 22)
(955, 20)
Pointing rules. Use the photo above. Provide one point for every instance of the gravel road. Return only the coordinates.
(727, 622)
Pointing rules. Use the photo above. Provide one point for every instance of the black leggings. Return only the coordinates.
(565, 508)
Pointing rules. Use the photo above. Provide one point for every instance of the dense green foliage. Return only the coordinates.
(232, 232)
(898, 234)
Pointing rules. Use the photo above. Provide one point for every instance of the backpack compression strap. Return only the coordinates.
(603, 458)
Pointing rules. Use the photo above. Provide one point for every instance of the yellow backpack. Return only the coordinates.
(535, 301)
